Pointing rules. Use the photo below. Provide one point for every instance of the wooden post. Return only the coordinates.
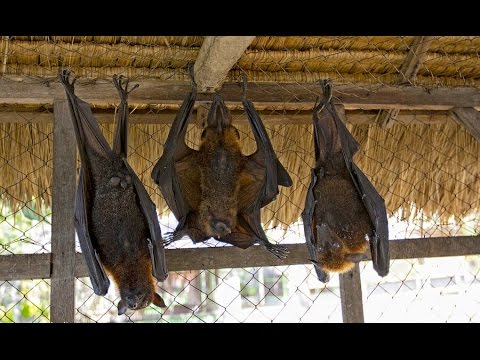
(62, 296)
(351, 296)
(216, 57)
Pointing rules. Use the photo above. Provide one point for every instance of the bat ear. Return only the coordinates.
(356, 257)
(157, 300)
(122, 307)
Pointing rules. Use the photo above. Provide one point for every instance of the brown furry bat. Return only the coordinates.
(217, 191)
(115, 219)
(345, 223)
(343, 211)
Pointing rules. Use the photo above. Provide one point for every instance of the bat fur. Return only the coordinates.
(115, 219)
(343, 211)
(217, 191)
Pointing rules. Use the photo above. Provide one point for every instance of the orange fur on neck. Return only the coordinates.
(334, 261)
(132, 275)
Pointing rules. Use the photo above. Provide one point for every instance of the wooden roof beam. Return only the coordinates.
(408, 72)
(217, 56)
(20, 90)
(354, 117)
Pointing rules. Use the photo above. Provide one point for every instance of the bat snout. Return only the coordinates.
(136, 301)
(132, 301)
(137, 298)
(221, 228)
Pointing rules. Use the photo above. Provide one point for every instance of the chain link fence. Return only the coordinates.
(421, 161)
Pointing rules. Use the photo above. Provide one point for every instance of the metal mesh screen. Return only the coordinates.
(421, 161)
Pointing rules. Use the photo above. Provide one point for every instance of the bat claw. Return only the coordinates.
(279, 251)
(169, 238)
(121, 83)
(64, 77)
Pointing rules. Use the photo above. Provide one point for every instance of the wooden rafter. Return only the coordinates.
(407, 74)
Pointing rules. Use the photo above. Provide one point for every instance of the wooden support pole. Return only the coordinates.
(62, 296)
(217, 56)
(351, 296)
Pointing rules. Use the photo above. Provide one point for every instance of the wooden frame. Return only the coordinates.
(62, 295)
(41, 266)
(37, 266)
(30, 91)
(63, 265)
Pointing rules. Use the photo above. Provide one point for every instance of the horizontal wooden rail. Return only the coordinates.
(16, 90)
(37, 266)
(354, 117)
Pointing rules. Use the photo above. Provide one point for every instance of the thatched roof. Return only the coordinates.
(429, 165)
(450, 61)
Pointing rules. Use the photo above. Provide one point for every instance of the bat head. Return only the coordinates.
(218, 221)
(136, 285)
(334, 255)
(138, 299)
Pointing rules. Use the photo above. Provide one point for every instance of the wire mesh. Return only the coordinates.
(424, 290)
(422, 162)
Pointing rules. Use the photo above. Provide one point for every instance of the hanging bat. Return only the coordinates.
(115, 220)
(342, 208)
(217, 191)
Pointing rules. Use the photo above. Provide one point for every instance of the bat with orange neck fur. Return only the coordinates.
(344, 213)
(217, 191)
(115, 219)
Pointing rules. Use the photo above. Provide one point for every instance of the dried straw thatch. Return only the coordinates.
(431, 167)
(450, 61)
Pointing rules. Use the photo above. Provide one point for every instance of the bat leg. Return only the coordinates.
(279, 251)
(194, 234)
(120, 143)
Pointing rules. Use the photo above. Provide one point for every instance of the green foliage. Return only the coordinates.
(18, 229)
